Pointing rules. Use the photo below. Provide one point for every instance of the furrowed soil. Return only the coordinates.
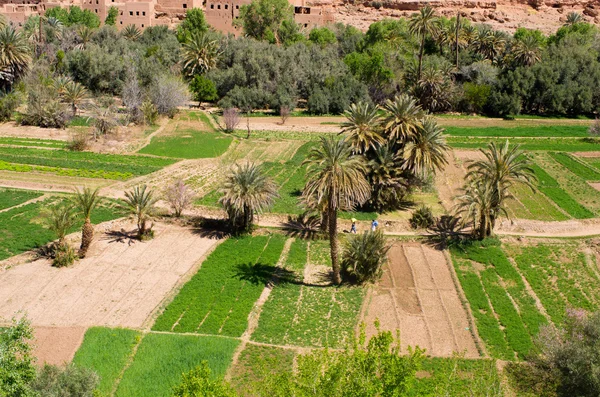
(119, 284)
(418, 297)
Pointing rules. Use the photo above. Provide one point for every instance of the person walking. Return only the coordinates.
(374, 225)
(353, 228)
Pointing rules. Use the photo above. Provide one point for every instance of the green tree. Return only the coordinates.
(74, 94)
(246, 191)
(16, 362)
(74, 16)
(204, 89)
(193, 23)
(199, 383)
(322, 36)
(86, 201)
(139, 202)
(71, 381)
(337, 177)
(423, 24)
(388, 180)
(527, 52)
(262, 19)
(111, 17)
(402, 118)
(362, 127)
(199, 54)
(426, 151)
(15, 56)
(364, 256)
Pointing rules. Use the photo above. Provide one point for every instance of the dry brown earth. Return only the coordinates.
(56, 345)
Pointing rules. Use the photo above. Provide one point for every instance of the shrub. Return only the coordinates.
(132, 99)
(44, 108)
(167, 93)
(8, 104)
(179, 196)
(204, 89)
(105, 121)
(364, 255)
(594, 129)
(231, 118)
(16, 362)
(199, 382)
(284, 113)
(422, 218)
(79, 141)
(71, 381)
(150, 112)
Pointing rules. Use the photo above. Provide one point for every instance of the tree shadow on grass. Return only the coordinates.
(262, 274)
(216, 229)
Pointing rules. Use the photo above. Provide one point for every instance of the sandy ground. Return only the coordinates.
(56, 345)
(417, 296)
(121, 282)
(450, 181)
(11, 129)
(48, 182)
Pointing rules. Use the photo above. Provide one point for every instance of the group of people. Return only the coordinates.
(374, 225)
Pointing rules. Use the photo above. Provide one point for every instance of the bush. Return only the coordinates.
(179, 196)
(8, 104)
(594, 129)
(364, 255)
(64, 255)
(284, 113)
(44, 108)
(79, 141)
(167, 93)
(16, 362)
(150, 113)
(422, 218)
(199, 382)
(71, 381)
(204, 89)
(231, 118)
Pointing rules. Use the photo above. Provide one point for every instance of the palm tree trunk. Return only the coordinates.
(324, 221)
(421, 57)
(456, 36)
(141, 227)
(87, 234)
(333, 243)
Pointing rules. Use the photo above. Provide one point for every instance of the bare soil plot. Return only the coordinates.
(48, 182)
(56, 345)
(12, 129)
(450, 181)
(120, 283)
(418, 297)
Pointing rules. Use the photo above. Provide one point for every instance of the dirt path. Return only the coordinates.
(418, 297)
(120, 283)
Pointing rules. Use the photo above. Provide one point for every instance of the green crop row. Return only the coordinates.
(534, 205)
(581, 170)
(106, 351)
(81, 173)
(42, 143)
(514, 132)
(550, 187)
(218, 299)
(188, 144)
(542, 144)
(134, 165)
(11, 197)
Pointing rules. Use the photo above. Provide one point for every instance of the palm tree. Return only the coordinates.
(199, 54)
(527, 52)
(85, 34)
(432, 88)
(387, 178)
(361, 127)
(59, 83)
(131, 32)
(337, 176)
(402, 118)
(426, 152)
(573, 18)
(104, 121)
(86, 201)
(423, 24)
(246, 191)
(14, 55)
(490, 43)
(480, 204)
(60, 219)
(74, 94)
(140, 204)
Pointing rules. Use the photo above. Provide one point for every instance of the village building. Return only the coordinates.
(220, 14)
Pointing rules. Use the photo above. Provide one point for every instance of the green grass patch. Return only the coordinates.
(106, 351)
(81, 121)
(95, 165)
(161, 359)
(550, 187)
(513, 132)
(188, 144)
(218, 299)
(542, 144)
(533, 205)
(578, 168)
(21, 228)
(40, 143)
(11, 197)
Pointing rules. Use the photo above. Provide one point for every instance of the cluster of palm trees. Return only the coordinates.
(488, 186)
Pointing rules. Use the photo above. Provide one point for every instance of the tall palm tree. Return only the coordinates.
(15, 55)
(361, 127)
(335, 175)
(432, 88)
(527, 52)
(573, 18)
(246, 191)
(199, 54)
(388, 181)
(423, 24)
(131, 32)
(140, 204)
(426, 152)
(402, 119)
(481, 205)
(74, 94)
(86, 201)
(490, 43)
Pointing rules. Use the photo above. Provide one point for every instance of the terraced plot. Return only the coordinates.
(218, 299)
(11, 197)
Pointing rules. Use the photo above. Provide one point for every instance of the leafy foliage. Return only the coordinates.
(198, 382)
(16, 362)
(364, 256)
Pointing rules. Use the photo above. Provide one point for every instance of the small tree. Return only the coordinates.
(86, 201)
(70, 381)
(104, 121)
(60, 219)
(140, 204)
(284, 113)
(231, 118)
(204, 89)
(364, 256)
(111, 17)
(133, 98)
(150, 113)
(199, 382)
(16, 362)
(179, 196)
(594, 129)
(168, 93)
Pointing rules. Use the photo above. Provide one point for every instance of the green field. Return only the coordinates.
(162, 358)
(40, 143)
(106, 351)
(188, 144)
(536, 131)
(21, 228)
(81, 164)
(218, 299)
(536, 144)
(11, 197)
